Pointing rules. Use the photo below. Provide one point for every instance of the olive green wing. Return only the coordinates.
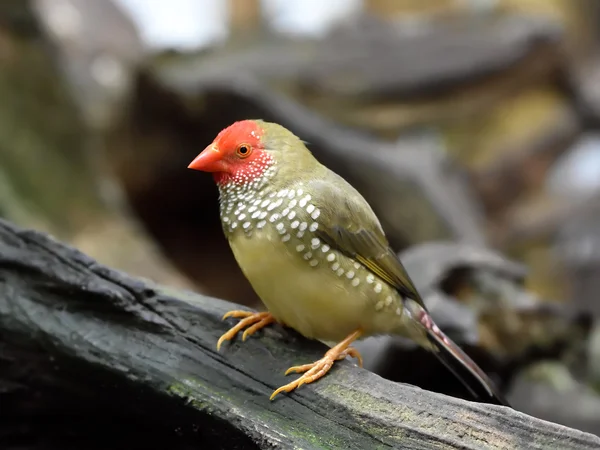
(347, 223)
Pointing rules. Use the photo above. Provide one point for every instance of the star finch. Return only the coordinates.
(315, 253)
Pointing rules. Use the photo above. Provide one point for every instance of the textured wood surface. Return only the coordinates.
(88, 353)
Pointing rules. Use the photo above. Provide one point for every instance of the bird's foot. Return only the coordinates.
(316, 370)
(252, 321)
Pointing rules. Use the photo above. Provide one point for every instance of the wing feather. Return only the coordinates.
(347, 223)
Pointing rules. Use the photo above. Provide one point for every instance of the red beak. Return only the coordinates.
(210, 160)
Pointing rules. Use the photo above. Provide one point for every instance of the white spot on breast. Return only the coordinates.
(399, 311)
(350, 274)
(286, 238)
(303, 226)
(388, 300)
(293, 203)
(357, 265)
(282, 193)
(265, 203)
(291, 194)
(226, 219)
(300, 234)
(316, 213)
(261, 224)
(304, 201)
(355, 282)
(313, 227)
(273, 217)
(330, 257)
(292, 215)
(313, 262)
(310, 208)
(378, 288)
(325, 248)
(234, 225)
(315, 243)
(255, 214)
(299, 192)
(370, 278)
(241, 216)
(307, 255)
(340, 272)
(280, 229)
(295, 224)
(262, 215)
(274, 205)
(299, 247)
(379, 306)
(246, 225)
(285, 211)
(252, 209)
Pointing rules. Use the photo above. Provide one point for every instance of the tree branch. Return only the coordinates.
(88, 353)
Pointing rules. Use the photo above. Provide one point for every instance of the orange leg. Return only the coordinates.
(253, 320)
(316, 370)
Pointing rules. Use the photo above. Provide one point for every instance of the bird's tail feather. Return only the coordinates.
(457, 361)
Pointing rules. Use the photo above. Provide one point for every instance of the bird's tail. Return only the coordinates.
(456, 360)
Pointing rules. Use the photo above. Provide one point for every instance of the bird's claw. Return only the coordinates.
(314, 371)
(253, 321)
(238, 314)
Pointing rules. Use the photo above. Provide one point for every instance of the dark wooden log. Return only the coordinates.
(93, 358)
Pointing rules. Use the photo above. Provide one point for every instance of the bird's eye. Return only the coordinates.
(243, 150)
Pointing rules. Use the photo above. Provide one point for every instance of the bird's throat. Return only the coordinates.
(240, 196)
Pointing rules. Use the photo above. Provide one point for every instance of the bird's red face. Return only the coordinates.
(237, 155)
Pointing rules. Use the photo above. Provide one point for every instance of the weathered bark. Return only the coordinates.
(88, 353)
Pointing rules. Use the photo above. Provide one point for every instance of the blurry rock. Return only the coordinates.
(548, 391)
(570, 189)
(477, 297)
(379, 78)
(374, 58)
(385, 78)
(594, 352)
(433, 265)
(578, 250)
(99, 49)
(541, 233)
(579, 18)
(584, 83)
(576, 174)
(52, 173)
(511, 146)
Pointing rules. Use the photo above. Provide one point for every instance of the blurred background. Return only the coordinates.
(471, 126)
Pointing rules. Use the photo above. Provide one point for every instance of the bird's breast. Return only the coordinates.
(303, 282)
(297, 287)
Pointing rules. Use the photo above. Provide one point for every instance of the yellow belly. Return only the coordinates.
(311, 299)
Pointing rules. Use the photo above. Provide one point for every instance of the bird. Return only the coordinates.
(316, 255)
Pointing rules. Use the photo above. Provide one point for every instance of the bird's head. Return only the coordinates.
(246, 150)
